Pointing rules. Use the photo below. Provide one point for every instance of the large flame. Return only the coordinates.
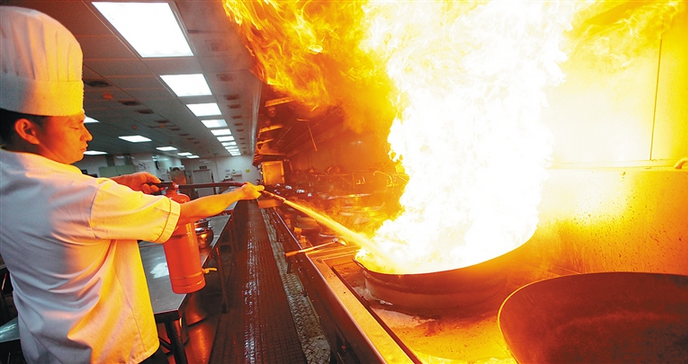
(465, 81)
(470, 136)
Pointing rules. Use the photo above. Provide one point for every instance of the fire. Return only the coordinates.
(469, 136)
(465, 83)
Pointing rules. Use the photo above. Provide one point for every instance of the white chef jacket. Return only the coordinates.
(69, 242)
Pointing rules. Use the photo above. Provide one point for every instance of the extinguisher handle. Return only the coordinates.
(163, 185)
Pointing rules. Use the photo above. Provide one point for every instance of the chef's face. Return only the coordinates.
(63, 139)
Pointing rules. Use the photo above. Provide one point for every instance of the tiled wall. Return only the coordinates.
(621, 219)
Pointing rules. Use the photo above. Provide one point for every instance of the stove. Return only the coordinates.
(365, 329)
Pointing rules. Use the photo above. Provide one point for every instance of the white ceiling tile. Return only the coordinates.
(207, 16)
(89, 73)
(173, 66)
(144, 95)
(97, 94)
(104, 47)
(120, 67)
(140, 82)
(230, 63)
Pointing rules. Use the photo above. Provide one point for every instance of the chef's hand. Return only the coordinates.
(140, 181)
(250, 191)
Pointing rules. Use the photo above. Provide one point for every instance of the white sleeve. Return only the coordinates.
(118, 212)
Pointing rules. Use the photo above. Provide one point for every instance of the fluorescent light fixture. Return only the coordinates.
(207, 109)
(94, 152)
(228, 144)
(184, 154)
(215, 123)
(220, 132)
(166, 149)
(226, 138)
(90, 120)
(192, 157)
(187, 85)
(235, 154)
(135, 138)
(151, 28)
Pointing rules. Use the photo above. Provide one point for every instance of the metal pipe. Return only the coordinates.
(292, 253)
(162, 185)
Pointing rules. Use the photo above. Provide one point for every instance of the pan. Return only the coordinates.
(610, 317)
(452, 288)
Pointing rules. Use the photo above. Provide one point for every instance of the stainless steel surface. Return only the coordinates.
(374, 330)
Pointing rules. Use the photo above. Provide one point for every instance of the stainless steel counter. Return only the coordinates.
(362, 328)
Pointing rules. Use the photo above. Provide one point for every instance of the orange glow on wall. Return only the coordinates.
(461, 86)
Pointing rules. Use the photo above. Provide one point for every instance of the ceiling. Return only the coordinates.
(125, 93)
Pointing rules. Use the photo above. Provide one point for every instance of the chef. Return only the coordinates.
(70, 240)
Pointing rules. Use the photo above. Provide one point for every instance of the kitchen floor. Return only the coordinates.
(268, 320)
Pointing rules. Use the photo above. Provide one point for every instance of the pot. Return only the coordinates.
(611, 317)
(205, 236)
(202, 224)
(358, 199)
(459, 287)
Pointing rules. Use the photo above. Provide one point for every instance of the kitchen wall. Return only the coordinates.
(234, 167)
(238, 169)
(612, 219)
(632, 114)
(141, 162)
(613, 201)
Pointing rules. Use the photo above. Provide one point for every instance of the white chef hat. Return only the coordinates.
(40, 64)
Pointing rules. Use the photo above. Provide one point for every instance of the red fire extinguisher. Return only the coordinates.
(181, 251)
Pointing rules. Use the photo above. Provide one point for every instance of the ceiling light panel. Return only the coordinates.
(135, 138)
(94, 152)
(151, 28)
(184, 154)
(187, 85)
(166, 149)
(205, 109)
(221, 132)
(215, 123)
(90, 120)
(226, 138)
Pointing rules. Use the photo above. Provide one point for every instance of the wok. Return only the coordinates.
(459, 287)
(611, 317)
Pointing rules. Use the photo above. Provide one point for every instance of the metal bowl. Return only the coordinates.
(205, 236)
(612, 317)
(459, 287)
(202, 224)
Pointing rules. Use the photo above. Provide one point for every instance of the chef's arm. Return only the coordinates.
(214, 204)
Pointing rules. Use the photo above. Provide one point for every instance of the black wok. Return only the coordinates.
(612, 317)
